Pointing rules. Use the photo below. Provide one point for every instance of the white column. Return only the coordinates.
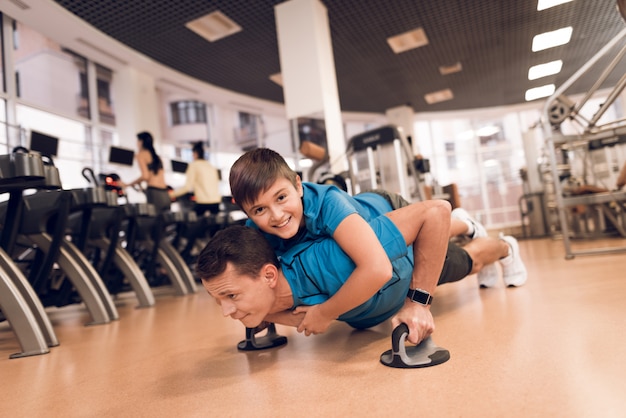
(135, 102)
(402, 116)
(308, 70)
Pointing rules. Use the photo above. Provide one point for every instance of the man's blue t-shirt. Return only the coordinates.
(315, 270)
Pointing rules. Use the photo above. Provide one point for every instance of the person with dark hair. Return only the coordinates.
(202, 179)
(152, 172)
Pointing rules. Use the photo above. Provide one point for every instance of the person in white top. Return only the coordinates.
(203, 180)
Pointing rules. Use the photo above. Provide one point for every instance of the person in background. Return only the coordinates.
(621, 179)
(202, 179)
(152, 172)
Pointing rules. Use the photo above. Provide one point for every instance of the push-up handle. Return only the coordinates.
(269, 340)
(425, 354)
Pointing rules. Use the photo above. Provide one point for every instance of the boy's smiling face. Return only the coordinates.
(278, 210)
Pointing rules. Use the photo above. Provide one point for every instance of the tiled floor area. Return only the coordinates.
(553, 348)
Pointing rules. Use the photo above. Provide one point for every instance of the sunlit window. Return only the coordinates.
(188, 112)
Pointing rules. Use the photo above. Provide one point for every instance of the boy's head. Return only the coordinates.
(239, 269)
(255, 172)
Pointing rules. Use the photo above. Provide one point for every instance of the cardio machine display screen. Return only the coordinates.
(179, 166)
(121, 156)
(45, 144)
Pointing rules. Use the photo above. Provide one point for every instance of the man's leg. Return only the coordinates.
(486, 251)
(488, 274)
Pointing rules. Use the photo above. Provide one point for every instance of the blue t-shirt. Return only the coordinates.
(324, 208)
(315, 270)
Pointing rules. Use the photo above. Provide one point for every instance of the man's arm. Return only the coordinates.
(425, 225)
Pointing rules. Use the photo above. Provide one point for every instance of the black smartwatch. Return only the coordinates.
(420, 296)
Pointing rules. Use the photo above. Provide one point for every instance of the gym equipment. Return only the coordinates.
(425, 354)
(593, 134)
(270, 340)
(36, 240)
(147, 244)
(19, 303)
(382, 159)
(95, 224)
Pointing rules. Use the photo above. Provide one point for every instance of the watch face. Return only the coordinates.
(419, 296)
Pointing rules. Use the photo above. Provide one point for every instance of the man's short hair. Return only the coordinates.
(244, 247)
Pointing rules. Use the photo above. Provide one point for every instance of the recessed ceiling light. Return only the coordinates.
(551, 39)
(408, 40)
(277, 78)
(450, 69)
(543, 70)
(213, 26)
(438, 96)
(487, 131)
(546, 4)
(539, 92)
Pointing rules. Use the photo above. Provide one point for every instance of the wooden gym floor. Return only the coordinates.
(553, 348)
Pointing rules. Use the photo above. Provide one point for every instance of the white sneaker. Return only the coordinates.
(479, 229)
(513, 269)
(488, 276)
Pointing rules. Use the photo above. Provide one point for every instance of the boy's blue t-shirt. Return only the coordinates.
(315, 265)
(315, 270)
(324, 208)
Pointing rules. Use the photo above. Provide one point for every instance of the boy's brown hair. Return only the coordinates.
(255, 172)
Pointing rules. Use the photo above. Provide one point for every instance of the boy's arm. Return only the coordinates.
(287, 317)
(373, 269)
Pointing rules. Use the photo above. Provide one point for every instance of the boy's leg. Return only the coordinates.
(463, 224)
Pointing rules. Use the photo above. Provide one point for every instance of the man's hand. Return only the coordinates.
(418, 318)
(314, 322)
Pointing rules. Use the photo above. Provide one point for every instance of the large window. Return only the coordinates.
(188, 112)
(49, 76)
(104, 78)
(483, 157)
(3, 82)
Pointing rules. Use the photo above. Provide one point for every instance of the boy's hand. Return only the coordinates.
(314, 321)
(418, 318)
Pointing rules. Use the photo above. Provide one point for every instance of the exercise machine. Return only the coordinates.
(382, 159)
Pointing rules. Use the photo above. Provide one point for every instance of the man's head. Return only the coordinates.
(239, 269)
(269, 191)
